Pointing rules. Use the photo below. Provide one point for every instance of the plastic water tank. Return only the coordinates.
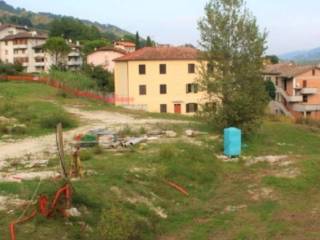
(232, 142)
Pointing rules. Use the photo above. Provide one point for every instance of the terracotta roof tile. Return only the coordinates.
(161, 53)
(112, 49)
(23, 35)
(287, 69)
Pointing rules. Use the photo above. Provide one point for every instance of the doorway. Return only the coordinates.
(177, 108)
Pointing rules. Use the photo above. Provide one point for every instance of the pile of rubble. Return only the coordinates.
(110, 140)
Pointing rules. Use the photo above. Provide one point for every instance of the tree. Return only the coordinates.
(233, 47)
(70, 28)
(149, 42)
(274, 59)
(90, 46)
(271, 89)
(137, 41)
(57, 47)
(103, 78)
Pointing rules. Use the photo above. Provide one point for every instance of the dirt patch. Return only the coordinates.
(27, 176)
(257, 193)
(11, 202)
(281, 160)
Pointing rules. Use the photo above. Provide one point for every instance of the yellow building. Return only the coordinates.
(159, 79)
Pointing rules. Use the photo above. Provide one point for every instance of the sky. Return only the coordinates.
(291, 24)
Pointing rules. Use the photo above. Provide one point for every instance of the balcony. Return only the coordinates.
(39, 64)
(309, 91)
(306, 107)
(289, 98)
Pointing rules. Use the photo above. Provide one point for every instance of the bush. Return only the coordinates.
(10, 69)
(116, 224)
(52, 120)
(309, 122)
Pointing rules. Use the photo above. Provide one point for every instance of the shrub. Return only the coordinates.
(116, 224)
(52, 120)
(309, 122)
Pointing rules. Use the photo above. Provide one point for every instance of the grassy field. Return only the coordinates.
(126, 192)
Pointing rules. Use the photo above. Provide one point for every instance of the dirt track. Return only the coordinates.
(45, 146)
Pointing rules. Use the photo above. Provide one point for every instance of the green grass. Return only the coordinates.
(31, 105)
(141, 173)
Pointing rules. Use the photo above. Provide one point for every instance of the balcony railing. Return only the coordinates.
(309, 91)
(306, 107)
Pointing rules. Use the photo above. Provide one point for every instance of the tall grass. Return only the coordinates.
(76, 80)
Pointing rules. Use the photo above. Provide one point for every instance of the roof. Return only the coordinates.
(161, 53)
(24, 35)
(110, 49)
(125, 43)
(287, 69)
(4, 26)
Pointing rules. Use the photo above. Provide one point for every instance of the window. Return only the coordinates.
(163, 68)
(304, 83)
(313, 72)
(142, 69)
(163, 108)
(191, 107)
(305, 98)
(163, 89)
(192, 88)
(143, 90)
(191, 68)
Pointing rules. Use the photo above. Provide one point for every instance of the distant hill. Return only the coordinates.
(41, 20)
(307, 56)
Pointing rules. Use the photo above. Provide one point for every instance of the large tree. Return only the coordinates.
(233, 49)
(58, 48)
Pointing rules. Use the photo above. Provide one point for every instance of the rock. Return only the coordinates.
(190, 133)
(73, 212)
(155, 133)
(4, 120)
(171, 134)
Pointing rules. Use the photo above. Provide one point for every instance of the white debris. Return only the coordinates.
(73, 212)
(171, 134)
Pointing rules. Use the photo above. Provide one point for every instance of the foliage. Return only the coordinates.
(71, 28)
(137, 41)
(58, 47)
(103, 78)
(233, 49)
(274, 59)
(52, 120)
(18, 20)
(271, 89)
(149, 42)
(76, 80)
(116, 224)
(10, 69)
(90, 45)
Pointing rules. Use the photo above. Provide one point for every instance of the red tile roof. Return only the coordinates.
(25, 35)
(287, 69)
(125, 43)
(4, 26)
(111, 49)
(161, 53)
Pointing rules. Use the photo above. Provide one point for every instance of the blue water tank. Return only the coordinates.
(232, 142)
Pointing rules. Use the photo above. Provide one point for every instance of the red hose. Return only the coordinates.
(177, 187)
(11, 227)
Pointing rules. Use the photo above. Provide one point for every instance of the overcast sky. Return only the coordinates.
(292, 24)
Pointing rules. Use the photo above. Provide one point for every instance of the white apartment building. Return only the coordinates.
(18, 45)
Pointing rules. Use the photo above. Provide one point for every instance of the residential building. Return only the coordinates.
(20, 48)
(26, 48)
(74, 61)
(104, 57)
(159, 79)
(11, 29)
(125, 45)
(297, 88)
